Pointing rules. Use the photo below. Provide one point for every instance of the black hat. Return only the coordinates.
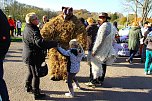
(103, 14)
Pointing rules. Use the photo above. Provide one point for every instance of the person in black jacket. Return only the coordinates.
(4, 45)
(33, 53)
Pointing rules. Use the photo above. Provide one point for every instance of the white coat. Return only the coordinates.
(103, 49)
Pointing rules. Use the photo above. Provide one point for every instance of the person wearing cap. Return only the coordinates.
(103, 52)
(4, 46)
(92, 30)
(74, 56)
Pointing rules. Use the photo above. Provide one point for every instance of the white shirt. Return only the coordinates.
(18, 24)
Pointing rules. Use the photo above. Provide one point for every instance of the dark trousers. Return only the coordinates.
(100, 79)
(91, 75)
(143, 54)
(132, 54)
(3, 88)
(71, 77)
(32, 77)
(18, 31)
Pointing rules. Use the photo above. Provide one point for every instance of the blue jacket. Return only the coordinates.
(74, 59)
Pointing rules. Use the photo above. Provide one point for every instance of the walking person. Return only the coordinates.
(134, 41)
(92, 30)
(103, 53)
(19, 26)
(33, 53)
(4, 45)
(74, 56)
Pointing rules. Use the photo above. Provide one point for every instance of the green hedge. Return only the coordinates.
(16, 39)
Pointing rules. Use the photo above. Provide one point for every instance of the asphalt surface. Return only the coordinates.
(123, 82)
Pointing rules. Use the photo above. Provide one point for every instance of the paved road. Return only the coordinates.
(124, 82)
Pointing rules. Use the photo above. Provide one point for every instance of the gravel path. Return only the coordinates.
(124, 82)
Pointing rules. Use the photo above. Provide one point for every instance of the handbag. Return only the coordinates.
(43, 70)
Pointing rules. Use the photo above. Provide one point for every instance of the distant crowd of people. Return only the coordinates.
(15, 26)
(101, 35)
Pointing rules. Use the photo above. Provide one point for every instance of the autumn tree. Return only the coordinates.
(140, 7)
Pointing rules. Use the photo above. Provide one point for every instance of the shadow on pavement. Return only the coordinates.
(123, 59)
(137, 65)
(129, 82)
(98, 95)
(125, 82)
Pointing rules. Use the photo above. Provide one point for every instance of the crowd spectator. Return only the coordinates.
(134, 41)
(44, 20)
(92, 30)
(103, 53)
(19, 26)
(4, 45)
(84, 22)
(148, 62)
(33, 53)
(142, 45)
(117, 37)
(12, 25)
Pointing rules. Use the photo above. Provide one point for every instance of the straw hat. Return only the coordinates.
(135, 24)
(90, 20)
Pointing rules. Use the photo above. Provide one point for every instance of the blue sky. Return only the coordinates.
(90, 5)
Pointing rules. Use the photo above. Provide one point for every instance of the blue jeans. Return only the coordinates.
(132, 54)
(148, 62)
(3, 88)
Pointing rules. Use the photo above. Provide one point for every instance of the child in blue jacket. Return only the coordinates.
(74, 56)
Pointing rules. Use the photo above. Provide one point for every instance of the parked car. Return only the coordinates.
(123, 33)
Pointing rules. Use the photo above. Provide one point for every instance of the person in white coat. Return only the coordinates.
(103, 53)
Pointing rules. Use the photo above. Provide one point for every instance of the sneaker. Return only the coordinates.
(130, 62)
(149, 72)
(127, 60)
(146, 73)
(69, 95)
(89, 84)
(76, 87)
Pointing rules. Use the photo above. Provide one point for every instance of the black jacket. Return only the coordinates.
(34, 45)
(4, 35)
